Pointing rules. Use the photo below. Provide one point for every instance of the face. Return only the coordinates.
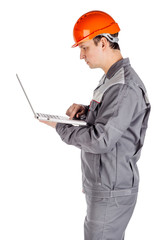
(91, 53)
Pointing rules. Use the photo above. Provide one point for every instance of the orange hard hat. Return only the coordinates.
(92, 24)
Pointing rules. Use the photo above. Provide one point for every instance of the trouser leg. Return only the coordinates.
(107, 218)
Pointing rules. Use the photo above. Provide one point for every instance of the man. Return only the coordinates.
(116, 124)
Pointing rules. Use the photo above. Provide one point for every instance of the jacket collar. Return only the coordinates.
(117, 66)
(112, 70)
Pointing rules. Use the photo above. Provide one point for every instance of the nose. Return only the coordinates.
(82, 55)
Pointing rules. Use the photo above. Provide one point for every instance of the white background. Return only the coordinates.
(40, 176)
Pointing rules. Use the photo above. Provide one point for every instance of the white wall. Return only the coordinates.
(40, 176)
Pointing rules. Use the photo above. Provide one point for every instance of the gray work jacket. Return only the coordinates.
(113, 138)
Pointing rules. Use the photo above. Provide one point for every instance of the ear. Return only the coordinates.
(104, 43)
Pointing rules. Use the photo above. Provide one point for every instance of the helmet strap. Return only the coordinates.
(110, 38)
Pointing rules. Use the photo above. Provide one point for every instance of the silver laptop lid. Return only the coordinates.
(26, 96)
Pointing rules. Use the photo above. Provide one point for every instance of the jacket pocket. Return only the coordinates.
(97, 168)
(91, 168)
(135, 177)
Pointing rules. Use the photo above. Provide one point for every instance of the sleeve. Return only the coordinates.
(113, 118)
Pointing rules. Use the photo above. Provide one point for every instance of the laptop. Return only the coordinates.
(52, 118)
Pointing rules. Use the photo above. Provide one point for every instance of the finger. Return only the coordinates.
(45, 122)
(42, 121)
(81, 112)
(51, 124)
(69, 110)
(74, 111)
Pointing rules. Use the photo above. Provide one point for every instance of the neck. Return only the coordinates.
(114, 57)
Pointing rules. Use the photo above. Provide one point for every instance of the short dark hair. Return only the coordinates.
(112, 45)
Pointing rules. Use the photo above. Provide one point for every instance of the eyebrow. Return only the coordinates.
(81, 46)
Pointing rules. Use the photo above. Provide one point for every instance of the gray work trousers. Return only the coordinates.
(107, 218)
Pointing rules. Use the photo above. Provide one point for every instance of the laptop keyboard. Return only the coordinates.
(51, 116)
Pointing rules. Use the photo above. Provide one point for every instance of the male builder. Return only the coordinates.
(116, 124)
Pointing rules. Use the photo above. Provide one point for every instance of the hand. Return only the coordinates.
(51, 124)
(76, 110)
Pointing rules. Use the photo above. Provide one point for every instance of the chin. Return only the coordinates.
(92, 67)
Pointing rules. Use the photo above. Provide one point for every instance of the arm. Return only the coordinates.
(112, 120)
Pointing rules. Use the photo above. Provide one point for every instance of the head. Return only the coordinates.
(99, 52)
(96, 34)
